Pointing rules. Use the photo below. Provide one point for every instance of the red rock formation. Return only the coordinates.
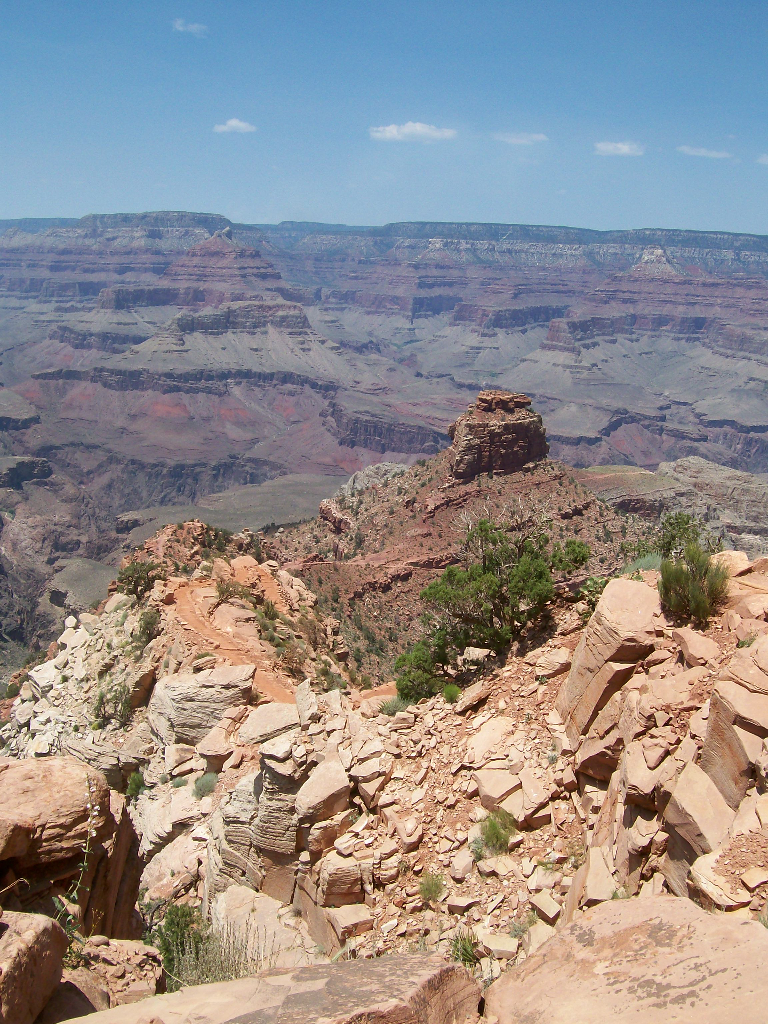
(500, 433)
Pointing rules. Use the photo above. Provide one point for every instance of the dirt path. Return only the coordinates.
(192, 614)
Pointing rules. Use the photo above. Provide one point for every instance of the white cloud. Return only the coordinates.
(235, 124)
(763, 158)
(711, 154)
(411, 131)
(619, 149)
(193, 28)
(520, 138)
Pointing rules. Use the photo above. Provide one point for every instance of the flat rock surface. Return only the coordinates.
(391, 990)
(652, 960)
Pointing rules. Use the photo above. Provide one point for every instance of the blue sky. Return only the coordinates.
(597, 114)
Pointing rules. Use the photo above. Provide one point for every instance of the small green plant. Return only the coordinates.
(678, 530)
(195, 954)
(206, 784)
(477, 848)
(590, 593)
(431, 887)
(67, 907)
(270, 611)
(523, 925)
(451, 692)
(293, 659)
(747, 641)
(651, 561)
(464, 948)
(136, 785)
(572, 556)
(577, 853)
(497, 829)
(693, 587)
(12, 690)
(392, 706)
(179, 781)
(112, 705)
(148, 628)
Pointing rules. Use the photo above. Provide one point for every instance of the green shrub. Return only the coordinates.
(651, 561)
(179, 781)
(573, 555)
(392, 706)
(211, 955)
(431, 887)
(136, 785)
(293, 659)
(678, 530)
(12, 690)
(451, 692)
(138, 578)
(416, 674)
(496, 831)
(590, 592)
(206, 784)
(269, 609)
(148, 628)
(477, 848)
(693, 587)
(181, 930)
(486, 604)
(112, 705)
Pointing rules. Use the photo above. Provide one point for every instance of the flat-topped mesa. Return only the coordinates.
(500, 433)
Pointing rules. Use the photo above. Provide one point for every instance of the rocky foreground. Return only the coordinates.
(585, 829)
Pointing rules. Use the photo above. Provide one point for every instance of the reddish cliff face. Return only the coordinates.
(500, 433)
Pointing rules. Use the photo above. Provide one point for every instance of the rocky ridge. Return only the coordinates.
(621, 760)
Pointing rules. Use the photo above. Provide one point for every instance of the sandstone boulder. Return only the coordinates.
(325, 793)
(259, 923)
(697, 818)
(736, 726)
(648, 961)
(553, 663)
(32, 948)
(619, 634)
(488, 738)
(186, 706)
(697, 649)
(267, 721)
(416, 989)
(45, 818)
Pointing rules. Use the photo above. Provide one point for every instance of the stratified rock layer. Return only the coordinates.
(500, 433)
